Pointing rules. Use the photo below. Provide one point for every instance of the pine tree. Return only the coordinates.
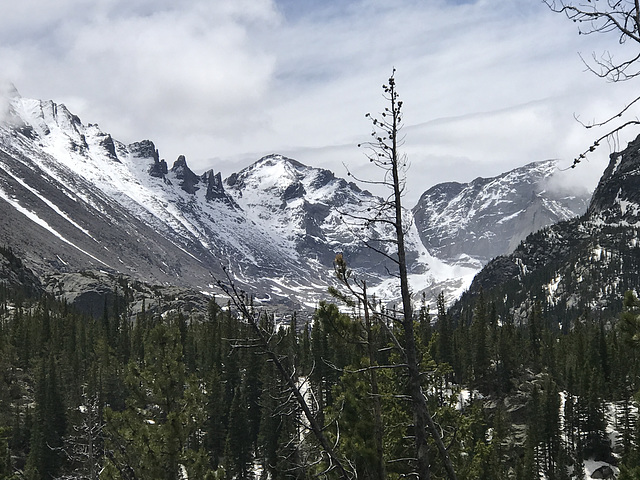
(479, 341)
(551, 438)
(215, 426)
(6, 468)
(270, 421)
(445, 342)
(45, 456)
(158, 433)
(238, 448)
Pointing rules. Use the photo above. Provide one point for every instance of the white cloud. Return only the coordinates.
(488, 85)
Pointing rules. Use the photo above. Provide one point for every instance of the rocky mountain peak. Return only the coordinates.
(276, 159)
(279, 179)
(270, 172)
(490, 216)
(144, 149)
(215, 188)
(616, 199)
(189, 180)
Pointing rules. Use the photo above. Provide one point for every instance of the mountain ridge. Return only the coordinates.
(494, 213)
(585, 264)
(276, 224)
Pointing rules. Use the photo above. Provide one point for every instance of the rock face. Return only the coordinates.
(616, 199)
(215, 189)
(582, 264)
(15, 276)
(491, 216)
(188, 180)
(96, 292)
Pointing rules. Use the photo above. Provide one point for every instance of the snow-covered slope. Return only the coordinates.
(491, 216)
(72, 197)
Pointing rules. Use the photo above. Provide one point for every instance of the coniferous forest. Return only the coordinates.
(170, 396)
(510, 383)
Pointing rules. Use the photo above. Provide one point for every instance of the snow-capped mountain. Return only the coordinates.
(491, 216)
(616, 200)
(74, 198)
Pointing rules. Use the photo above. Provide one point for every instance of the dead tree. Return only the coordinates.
(384, 152)
(84, 446)
(620, 18)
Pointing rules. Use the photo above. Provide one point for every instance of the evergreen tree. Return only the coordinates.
(45, 455)
(6, 468)
(445, 342)
(238, 448)
(479, 341)
(630, 319)
(157, 434)
(215, 426)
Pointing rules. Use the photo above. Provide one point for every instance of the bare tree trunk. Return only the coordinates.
(420, 411)
(421, 415)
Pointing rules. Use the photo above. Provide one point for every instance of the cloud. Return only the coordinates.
(163, 68)
(488, 85)
(7, 91)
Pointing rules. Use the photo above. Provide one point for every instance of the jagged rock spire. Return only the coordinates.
(182, 172)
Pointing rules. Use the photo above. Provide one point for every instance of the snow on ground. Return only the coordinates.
(590, 466)
(434, 275)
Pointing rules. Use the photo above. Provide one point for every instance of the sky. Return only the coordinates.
(487, 85)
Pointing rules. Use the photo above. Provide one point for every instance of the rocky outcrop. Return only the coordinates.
(144, 149)
(109, 146)
(158, 168)
(188, 180)
(96, 293)
(16, 277)
(617, 196)
(215, 189)
(604, 472)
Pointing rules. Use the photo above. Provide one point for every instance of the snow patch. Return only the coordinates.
(34, 218)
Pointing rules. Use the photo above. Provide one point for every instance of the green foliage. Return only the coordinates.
(45, 455)
(158, 433)
(155, 396)
(630, 319)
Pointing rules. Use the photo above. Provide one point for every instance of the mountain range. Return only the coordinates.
(577, 267)
(74, 199)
